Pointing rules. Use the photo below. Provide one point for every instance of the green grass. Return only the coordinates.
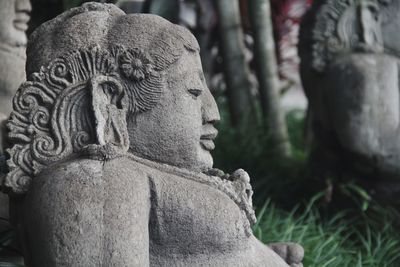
(341, 240)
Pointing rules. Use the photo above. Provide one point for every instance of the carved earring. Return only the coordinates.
(109, 112)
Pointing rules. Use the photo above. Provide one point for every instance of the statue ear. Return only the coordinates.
(110, 115)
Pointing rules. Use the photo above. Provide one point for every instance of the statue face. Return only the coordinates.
(14, 18)
(179, 130)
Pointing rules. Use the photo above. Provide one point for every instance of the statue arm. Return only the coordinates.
(88, 213)
(129, 211)
(362, 95)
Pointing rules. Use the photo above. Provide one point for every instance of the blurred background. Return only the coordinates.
(251, 63)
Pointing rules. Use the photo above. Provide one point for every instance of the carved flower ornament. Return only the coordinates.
(136, 65)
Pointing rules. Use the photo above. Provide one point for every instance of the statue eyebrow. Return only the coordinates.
(200, 74)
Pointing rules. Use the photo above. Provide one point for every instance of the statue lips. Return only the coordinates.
(21, 20)
(206, 140)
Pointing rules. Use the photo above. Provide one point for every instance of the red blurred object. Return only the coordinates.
(286, 18)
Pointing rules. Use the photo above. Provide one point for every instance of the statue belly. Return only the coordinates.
(193, 224)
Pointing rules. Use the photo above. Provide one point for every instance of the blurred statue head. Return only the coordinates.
(336, 27)
(104, 83)
(14, 18)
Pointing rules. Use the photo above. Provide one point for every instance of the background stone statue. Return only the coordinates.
(350, 71)
(14, 17)
(111, 164)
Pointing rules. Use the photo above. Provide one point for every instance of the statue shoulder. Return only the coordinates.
(115, 175)
(79, 168)
(124, 168)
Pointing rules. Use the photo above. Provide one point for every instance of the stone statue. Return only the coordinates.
(350, 71)
(111, 164)
(14, 17)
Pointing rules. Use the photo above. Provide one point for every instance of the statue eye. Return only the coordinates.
(195, 92)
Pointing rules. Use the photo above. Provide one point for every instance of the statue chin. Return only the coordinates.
(18, 39)
(205, 161)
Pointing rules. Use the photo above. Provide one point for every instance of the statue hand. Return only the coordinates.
(292, 253)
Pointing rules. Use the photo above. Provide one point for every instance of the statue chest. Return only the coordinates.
(191, 217)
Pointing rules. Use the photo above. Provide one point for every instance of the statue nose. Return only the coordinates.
(210, 111)
(23, 5)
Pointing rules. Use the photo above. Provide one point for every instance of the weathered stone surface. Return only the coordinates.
(111, 163)
(349, 68)
(14, 17)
